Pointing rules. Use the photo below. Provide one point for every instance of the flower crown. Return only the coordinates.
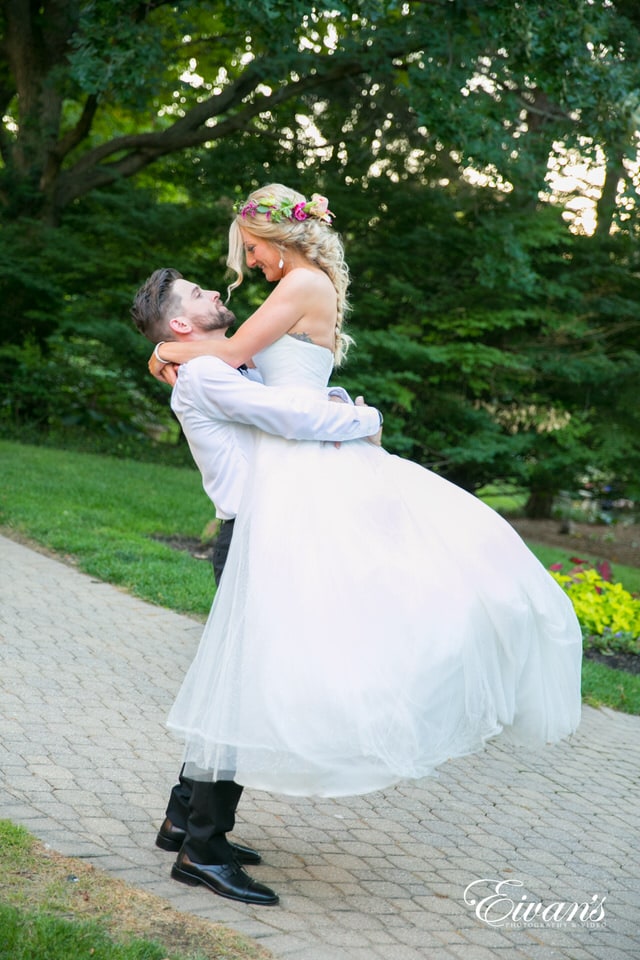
(277, 210)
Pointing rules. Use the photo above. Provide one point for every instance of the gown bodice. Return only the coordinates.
(290, 362)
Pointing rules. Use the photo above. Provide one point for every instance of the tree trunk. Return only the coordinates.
(36, 40)
(606, 206)
(539, 506)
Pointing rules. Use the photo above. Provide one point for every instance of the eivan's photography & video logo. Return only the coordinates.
(502, 903)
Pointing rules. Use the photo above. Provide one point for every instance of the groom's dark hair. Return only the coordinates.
(154, 302)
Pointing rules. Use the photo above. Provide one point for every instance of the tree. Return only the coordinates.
(129, 127)
(96, 91)
(81, 113)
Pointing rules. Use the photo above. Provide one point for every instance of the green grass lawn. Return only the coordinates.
(58, 908)
(104, 513)
(602, 686)
(506, 498)
(35, 935)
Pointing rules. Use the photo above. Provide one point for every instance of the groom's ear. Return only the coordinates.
(181, 325)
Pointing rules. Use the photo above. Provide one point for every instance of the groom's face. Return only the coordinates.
(203, 308)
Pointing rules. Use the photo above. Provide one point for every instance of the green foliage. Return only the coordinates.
(498, 344)
(569, 70)
(80, 276)
(486, 373)
(76, 386)
(124, 66)
(609, 614)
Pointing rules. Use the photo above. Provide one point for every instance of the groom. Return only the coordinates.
(219, 409)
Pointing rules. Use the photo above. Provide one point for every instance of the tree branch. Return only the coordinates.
(179, 133)
(606, 205)
(75, 136)
(188, 131)
(537, 104)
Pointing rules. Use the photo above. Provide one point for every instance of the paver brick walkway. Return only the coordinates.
(87, 675)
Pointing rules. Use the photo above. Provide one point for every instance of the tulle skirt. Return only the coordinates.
(372, 622)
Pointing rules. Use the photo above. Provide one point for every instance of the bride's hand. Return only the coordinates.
(161, 370)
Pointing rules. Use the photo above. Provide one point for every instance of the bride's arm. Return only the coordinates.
(280, 312)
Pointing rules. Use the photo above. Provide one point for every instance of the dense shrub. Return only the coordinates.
(75, 392)
(609, 615)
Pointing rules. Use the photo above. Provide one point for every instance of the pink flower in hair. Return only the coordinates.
(318, 207)
(249, 210)
(319, 204)
(299, 212)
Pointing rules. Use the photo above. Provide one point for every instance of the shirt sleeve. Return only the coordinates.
(296, 414)
(340, 392)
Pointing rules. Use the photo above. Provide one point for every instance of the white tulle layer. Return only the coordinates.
(372, 622)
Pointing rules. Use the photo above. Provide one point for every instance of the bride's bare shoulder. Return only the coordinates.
(307, 277)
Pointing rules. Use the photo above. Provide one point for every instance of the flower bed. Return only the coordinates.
(609, 615)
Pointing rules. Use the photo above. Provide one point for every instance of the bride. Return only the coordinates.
(373, 620)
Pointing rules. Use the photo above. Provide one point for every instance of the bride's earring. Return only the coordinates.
(280, 263)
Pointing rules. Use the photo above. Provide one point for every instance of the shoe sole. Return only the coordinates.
(182, 877)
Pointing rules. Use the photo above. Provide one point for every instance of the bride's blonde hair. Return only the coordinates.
(285, 218)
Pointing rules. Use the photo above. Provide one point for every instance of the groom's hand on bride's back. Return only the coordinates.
(376, 438)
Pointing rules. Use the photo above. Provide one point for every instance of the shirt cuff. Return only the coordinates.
(340, 392)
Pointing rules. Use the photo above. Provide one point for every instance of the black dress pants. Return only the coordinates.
(207, 809)
(221, 548)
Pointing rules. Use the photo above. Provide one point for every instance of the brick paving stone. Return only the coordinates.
(83, 701)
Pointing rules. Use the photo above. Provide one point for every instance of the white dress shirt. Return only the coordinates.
(219, 409)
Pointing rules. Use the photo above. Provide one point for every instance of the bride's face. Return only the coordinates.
(262, 255)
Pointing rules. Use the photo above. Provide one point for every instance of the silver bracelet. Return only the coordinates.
(157, 355)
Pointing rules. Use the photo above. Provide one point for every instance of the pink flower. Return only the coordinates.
(299, 212)
(319, 205)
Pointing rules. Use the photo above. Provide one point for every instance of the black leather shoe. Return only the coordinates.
(171, 838)
(226, 879)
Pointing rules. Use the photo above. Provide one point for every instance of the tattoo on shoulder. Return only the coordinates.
(301, 336)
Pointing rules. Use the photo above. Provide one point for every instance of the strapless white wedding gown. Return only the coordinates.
(373, 621)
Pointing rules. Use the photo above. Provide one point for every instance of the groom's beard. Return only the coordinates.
(222, 319)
